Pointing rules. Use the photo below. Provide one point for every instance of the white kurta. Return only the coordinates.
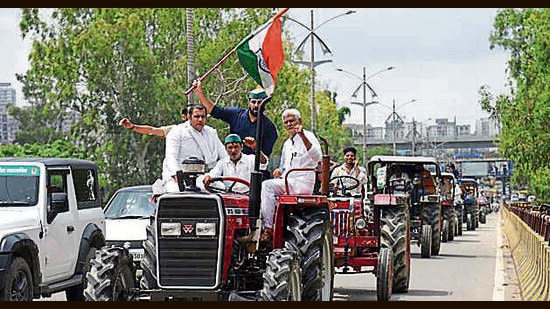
(242, 169)
(293, 155)
(183, 142)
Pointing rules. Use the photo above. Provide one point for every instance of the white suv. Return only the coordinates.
(51, 224)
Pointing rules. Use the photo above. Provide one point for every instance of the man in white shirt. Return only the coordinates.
(352, 169)
(190, 139)
(300, 150)
(236, 164)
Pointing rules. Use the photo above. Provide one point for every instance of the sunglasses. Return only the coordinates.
(255, 101)
(199, 116)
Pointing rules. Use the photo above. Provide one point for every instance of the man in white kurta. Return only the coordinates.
(300, 150)
(190, 139)
(236, 164)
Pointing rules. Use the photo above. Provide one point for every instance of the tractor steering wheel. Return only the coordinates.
(342, 186)
(230, 188)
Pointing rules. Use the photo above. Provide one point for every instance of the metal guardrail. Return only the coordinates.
(530, 250)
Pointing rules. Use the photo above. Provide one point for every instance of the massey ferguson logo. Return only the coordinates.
(187, 228)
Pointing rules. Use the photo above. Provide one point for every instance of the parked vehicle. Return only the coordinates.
(127, 214)
(51, 224)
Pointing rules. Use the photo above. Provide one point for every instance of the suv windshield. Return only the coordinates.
(130, 204)
(19, 185)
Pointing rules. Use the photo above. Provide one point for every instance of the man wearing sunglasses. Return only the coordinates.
(243, 121)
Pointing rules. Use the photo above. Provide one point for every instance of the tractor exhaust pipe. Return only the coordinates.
(325, 167)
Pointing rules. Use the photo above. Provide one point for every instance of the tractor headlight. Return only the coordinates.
(206, 229)
(170, 229)
(360, 224)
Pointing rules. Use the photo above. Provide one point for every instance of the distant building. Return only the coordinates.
(487, 126)
(8, 125)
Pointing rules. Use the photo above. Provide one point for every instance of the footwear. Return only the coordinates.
(267, 235)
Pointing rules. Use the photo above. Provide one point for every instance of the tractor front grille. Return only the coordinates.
(190, 260)
(341, 220)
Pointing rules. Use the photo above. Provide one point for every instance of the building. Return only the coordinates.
(8, 125)
(487, 126)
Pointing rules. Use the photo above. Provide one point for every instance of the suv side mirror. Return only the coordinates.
(60, 202)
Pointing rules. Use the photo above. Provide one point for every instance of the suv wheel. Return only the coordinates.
(18, 285)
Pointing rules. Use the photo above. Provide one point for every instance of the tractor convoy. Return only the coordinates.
(204, 244)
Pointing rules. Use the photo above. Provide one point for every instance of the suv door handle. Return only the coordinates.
(70, 228)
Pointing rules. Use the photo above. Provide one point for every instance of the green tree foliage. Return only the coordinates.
(104, 64)
(524, 114)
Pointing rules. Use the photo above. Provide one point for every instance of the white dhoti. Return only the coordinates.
(273, 188)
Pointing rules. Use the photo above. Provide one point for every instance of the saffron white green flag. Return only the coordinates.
(262, 55)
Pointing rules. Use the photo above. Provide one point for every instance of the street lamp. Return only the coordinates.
(394, 115)
(415, 133)
(312, 63)
(365, 85)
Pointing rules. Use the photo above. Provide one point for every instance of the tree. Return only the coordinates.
(524, 114)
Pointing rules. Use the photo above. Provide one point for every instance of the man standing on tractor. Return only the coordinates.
(352, 169)
(243, 121)
(300, 150)
(237, 164)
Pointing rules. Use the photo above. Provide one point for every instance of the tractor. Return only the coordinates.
(204, 244)
(471, 208)
(448, 212)
(359, 244)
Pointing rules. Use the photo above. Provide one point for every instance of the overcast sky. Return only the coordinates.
(441, 56)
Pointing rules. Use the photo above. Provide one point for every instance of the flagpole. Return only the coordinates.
(222, 60)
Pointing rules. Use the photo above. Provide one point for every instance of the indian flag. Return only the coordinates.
(262, 55)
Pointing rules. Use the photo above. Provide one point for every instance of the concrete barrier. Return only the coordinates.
(531, 255)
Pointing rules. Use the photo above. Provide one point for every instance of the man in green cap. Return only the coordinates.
(237, 164)
(243, 121)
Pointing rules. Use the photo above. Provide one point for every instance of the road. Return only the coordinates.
(473, 267)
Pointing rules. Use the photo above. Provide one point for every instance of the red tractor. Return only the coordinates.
(204, 245)
(372, 234)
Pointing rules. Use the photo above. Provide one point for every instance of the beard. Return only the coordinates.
(253, 112)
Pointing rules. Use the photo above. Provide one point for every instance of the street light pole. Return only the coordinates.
(394, 129)
(312, 63)
(364, 104)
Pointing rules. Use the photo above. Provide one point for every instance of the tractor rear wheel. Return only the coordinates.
(394, 234)
(111, 277)
(310, 234)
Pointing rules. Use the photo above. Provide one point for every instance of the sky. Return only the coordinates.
(441, 58)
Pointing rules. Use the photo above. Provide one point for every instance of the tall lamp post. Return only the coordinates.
(365, 85)
(312, 63)
(394, 115)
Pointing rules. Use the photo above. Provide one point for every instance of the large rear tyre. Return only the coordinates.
(76, 293)
(310, 234)
(111, 277)
(384, 275)
(394, 231)
(426, 241)
(282, 277)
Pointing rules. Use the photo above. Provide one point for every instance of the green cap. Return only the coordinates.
(257, 93)
(232, 138)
